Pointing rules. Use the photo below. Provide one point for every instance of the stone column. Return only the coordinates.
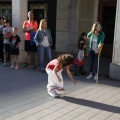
(66, 25)
(62, 25)
(71, 46)
(95, 15)
(114, 71)
(19, 15)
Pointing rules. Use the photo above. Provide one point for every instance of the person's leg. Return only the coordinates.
(96, 63)
(28, 50)
(82, 71)
(4, 58)
(96, 66)
(91, 60)
(35, 53)
(5, 54)
(29, 57)
(41, 51)
(1, 49)
(36, 58)
(76, 70)
(17, 62)
(92, 55)
(12, 61)
(48, 54)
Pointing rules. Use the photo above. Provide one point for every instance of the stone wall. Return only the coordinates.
(73, 17)
(114, 72)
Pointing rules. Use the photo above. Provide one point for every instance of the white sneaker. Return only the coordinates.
(90, 76)
(96, 77)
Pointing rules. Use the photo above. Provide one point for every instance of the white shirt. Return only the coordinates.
(6, 41)
(80, 55)
(94, 43)
(45, 42)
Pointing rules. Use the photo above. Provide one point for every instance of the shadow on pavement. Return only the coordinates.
(88, 103)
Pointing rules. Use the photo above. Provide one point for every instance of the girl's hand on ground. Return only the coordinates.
(74, 81)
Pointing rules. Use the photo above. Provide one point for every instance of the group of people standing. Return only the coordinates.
(38, 40)
(9, 43)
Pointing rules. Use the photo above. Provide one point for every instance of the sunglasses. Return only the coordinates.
(98, 26)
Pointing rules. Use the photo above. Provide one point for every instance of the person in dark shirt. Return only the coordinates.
(14, 48)
(83, 37)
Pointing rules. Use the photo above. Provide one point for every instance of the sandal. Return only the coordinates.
(16, 68)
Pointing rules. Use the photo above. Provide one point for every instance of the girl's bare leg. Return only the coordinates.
(5, 58)
(17, 61)
(12, 61)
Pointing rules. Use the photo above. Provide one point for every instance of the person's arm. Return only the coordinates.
(101, 41)
(100, 45)
(35, 27)
(36, 38)
(5, 33)
(25, 29)
(55, 73)
(17, 45)
(18, 40)
(50, 36)
(89, 35)
(70, 75)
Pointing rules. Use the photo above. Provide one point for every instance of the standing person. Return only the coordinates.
(83, 37)
(96, 38)
(43, 40)
(54, 68)
(29, 28)
(7, 32)
(79, 61)
(2, 25)
(14, 49)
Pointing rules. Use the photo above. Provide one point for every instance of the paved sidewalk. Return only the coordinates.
(23, 96)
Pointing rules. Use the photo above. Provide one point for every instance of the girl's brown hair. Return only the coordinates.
(65, 60)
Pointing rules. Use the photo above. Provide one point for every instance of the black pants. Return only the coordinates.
(1, 48)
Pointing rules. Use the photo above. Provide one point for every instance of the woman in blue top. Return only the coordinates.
(43, 40)
(96, 38)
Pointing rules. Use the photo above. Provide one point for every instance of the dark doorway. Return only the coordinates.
(39, 14)
(6, 10)
(45, 9)
(106, 16)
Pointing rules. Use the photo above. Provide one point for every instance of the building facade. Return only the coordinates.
(67, 19)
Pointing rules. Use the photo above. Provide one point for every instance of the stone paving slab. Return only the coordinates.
(23, 96)
(72, 107)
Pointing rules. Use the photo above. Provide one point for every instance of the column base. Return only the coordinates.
(114, 72)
